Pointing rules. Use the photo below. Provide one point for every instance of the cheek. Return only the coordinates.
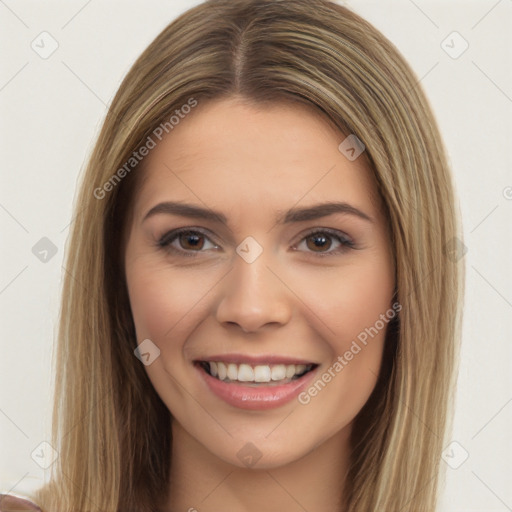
(165, 303)
(366, 297)
(346, 300)
(150, 303)
(351, 306)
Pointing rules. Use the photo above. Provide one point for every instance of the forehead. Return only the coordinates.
(231, 153)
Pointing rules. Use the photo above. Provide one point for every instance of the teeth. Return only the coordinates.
(221, 371)
(260, 373)
(290, 371)
(245, 373)
(279, 371)
(299, 368)
(232, 371)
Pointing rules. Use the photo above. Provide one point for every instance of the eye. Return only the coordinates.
(186, 241)
(321, 240)
(190, 242)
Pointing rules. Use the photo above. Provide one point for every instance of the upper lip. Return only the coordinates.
(254, 360)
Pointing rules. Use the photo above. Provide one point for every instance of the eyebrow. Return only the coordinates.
(292, 215)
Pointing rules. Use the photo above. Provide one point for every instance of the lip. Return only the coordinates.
(255, 398)
(255, 360)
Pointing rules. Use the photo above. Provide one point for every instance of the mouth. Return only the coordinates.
(255, 375)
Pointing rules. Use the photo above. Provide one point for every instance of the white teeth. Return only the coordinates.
(260, 373)
(232, 371)
(290, 371)
(245, 373)
(279, 371)
(300, 368)
(222, 372)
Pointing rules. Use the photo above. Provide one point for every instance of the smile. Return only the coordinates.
(260, 374)
(254, 386)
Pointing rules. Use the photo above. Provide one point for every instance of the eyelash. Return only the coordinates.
(164, 242)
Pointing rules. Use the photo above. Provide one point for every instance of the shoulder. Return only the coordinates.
(11, 503)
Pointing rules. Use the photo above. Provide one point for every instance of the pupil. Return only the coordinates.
(195, 243)
(319, 241)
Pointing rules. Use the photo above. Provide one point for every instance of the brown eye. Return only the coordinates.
(318, 241)
(186, 242)
(191, 240)
(322, 241)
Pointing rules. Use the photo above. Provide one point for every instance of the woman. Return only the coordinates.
(260, 309)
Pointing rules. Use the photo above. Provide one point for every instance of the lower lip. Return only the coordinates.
(255, 398)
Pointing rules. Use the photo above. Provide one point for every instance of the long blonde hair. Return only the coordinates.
(110, 427)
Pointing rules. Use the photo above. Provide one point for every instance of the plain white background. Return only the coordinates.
(51, 110)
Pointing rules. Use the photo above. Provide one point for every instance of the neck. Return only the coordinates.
(200, 481)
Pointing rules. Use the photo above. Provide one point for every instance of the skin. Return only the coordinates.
(252, 163)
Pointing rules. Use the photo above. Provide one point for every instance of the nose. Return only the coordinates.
(253, 296)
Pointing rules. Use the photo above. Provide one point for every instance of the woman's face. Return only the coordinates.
(267, 280)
